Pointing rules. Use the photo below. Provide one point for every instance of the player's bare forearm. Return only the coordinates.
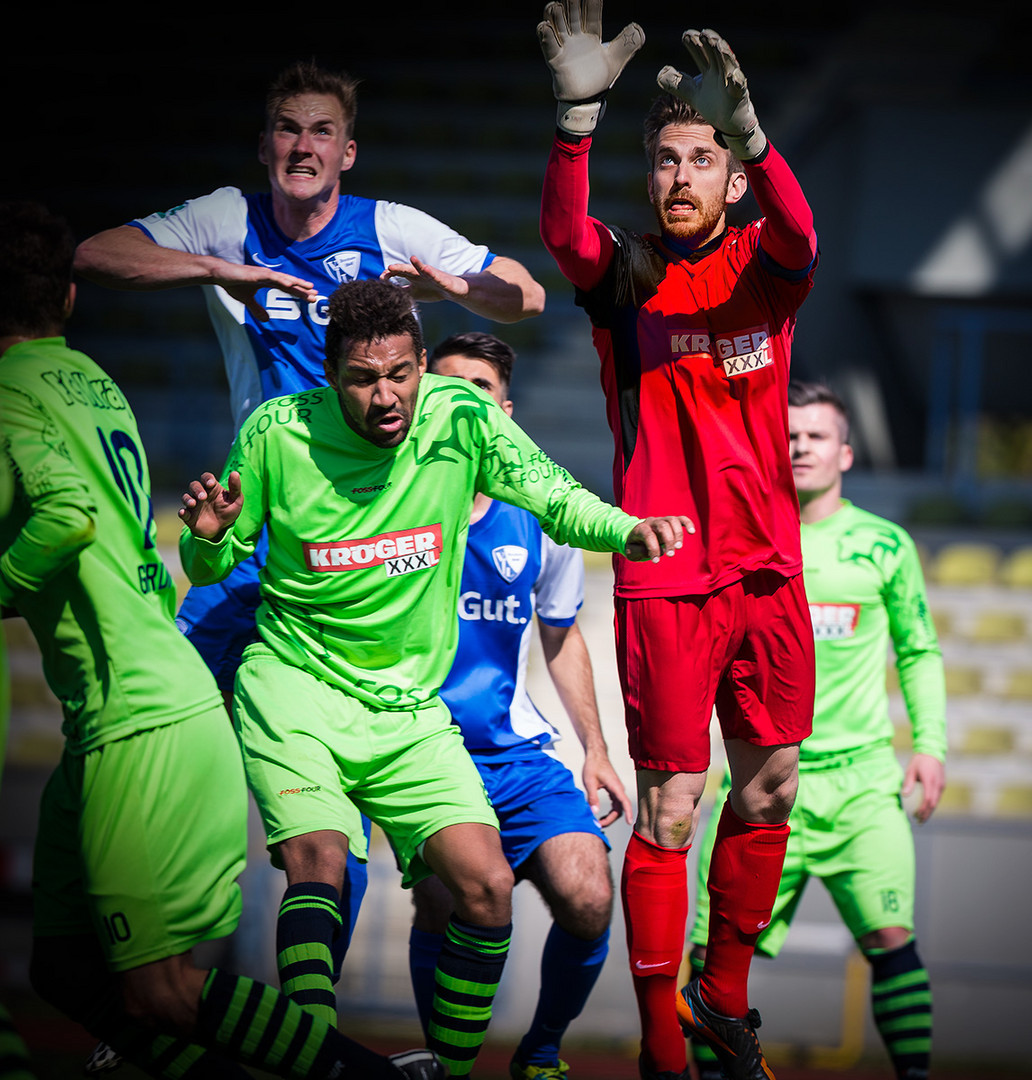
(569, 666)
(505, 292)
(125, 258)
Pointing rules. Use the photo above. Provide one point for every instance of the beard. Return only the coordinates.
(698, 227)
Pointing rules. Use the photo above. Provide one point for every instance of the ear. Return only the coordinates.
(422, 362)
(350, 153)
(845, 457)
(648, 179)
(69, 303)
(736, 188)
(330, 372)
(507, 407)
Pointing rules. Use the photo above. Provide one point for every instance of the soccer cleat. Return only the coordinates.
(537, 1072)
(103, 1059)
(419, 1065)
(648, 1074)
(733, 1041)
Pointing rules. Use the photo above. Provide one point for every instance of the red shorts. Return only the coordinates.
(746, 649)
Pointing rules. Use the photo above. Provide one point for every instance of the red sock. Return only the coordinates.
(745, 871)
(655, 901)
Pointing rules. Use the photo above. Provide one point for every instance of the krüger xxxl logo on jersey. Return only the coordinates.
(833, 622)
(739, 352)
(397, 552)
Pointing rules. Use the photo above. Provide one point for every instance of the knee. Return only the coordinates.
(485, 898)
(768, 800)
(316, 856)
(891, 937)
(587, 912)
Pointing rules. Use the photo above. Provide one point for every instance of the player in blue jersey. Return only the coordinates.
(268, 263)
(550, 834)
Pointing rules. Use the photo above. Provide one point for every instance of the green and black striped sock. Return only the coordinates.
(309, 921)
(14, 1057)
(902, 1000)
(469, 968)
(257, 1025)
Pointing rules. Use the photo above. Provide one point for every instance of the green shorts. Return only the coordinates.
(141, 841)
(850, 830)
(318, 759)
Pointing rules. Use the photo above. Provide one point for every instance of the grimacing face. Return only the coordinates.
(377, 384)
(306, 147)
(689, 185)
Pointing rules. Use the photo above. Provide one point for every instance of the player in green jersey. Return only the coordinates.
(143, 825)
(865, 589)
(365, 488)
(14, 1057)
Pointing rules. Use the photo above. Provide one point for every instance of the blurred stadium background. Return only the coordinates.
(910, 127)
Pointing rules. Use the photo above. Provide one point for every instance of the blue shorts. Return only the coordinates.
(219, 619)
(535, 799)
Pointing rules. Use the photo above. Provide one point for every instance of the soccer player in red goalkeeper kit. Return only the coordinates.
(693, 327)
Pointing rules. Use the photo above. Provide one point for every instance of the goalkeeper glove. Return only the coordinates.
(583, 67)
(719, 93)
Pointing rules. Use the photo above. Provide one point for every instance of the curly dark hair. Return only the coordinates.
(372, 310)
(36, 252)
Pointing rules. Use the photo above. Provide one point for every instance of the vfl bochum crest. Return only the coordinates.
(343, 265)
(509, 560)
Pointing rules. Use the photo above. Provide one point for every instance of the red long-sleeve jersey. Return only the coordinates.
(695, 348)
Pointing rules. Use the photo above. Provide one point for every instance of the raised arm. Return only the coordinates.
(126, 258)
(583, 69)
(720, 94)
(569, 666)
(504, 292)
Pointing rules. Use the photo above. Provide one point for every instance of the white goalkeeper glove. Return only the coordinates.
(583, 67)
(719, 93)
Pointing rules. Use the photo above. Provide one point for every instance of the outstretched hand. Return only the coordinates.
(597, 775)
(242, 282)
(209, 508)
(583, 66)
(719, 93)
(428, 283)
(656, 536)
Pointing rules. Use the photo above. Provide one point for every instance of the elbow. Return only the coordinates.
(534, 300)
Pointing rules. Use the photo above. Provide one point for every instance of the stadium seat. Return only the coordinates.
(962, 680)
(1018, 686)
(957, 798)
(994, 626)
(966, 564)
(987, 739)
(1014, 800)
(1016, 569)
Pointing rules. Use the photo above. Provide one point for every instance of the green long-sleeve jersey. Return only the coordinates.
(366, 544)
(78, 558)
(865, 589)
